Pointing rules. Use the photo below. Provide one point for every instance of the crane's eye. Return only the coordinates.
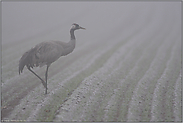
(76, 25)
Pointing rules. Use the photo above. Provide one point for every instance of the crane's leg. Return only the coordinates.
(43, 82)
(46, 76)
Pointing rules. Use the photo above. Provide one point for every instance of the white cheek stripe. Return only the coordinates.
(73, 26)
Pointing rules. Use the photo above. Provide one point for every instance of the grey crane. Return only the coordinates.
(46, 53)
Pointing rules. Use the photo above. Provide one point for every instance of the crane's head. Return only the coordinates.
(76, 26)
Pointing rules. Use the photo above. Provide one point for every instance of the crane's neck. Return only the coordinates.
(72, 34)
(70, 45)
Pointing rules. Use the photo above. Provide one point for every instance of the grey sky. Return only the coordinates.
(24, 19)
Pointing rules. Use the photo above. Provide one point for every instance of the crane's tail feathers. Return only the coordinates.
(22, 62)
(26, 59)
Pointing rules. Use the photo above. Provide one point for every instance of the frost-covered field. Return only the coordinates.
(126, 65)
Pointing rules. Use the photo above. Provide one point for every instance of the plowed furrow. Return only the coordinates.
(177, 100)
(162, 106)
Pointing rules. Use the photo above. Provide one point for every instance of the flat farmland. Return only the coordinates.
(126, 65)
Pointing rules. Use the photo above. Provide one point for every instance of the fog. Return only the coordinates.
(126, 65)
(24, 20)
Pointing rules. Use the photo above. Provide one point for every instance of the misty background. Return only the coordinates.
(24, 20)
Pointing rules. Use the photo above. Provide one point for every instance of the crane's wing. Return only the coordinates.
(46, 53)
(42, 54)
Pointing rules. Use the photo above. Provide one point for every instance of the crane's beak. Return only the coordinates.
(82, 28)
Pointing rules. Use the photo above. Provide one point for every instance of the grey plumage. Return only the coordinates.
(46, 53)
(42, 54)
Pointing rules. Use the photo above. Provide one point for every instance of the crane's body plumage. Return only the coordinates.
(45, 53)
